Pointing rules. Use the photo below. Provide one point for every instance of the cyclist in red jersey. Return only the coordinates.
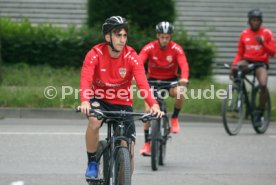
(105, 81)
(256, 44)
(164, 56)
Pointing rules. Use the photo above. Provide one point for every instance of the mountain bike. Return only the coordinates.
(239, 103)
(114, 159)
(160, 128)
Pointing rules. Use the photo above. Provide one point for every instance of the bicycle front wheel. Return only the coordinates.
(122, 167)
(103, 162)
(165, 131)
(155, 144)
(233, 110)
(261, 128)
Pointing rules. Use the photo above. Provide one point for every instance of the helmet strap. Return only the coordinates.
(111, 44)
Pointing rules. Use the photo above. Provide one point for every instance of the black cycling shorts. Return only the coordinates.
(129, 124)
(166, 88)
(250, 62)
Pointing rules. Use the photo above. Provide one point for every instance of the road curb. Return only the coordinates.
(67, 113)
(55, 113)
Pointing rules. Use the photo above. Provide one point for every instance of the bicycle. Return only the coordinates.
(238, 105)
(114, 159)
(160, 128)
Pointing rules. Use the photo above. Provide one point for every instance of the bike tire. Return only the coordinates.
(267, 112)
(122, 167)
(233, 110)
(165, 131)
(155, 144)
(103, 162)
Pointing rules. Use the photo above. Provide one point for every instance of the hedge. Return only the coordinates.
(58, 47)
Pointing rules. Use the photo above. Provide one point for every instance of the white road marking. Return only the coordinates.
(53, 133)
(18, 183)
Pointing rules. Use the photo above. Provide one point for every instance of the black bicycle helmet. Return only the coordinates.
(164, 27)
(255, 13)
(113, 22)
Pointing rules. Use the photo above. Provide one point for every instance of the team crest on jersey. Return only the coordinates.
(169, 58)
(95, 104)
(122, 72)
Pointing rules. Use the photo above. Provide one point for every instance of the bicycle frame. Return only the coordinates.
(160, 129)
(159, 84)
(242, 80)
(112, 147)
(233, 112)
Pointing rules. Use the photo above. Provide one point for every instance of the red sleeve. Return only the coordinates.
(182, 62)
(87, 73)
(269, 44)
(144, 53)
(142, 82)
(143, 56)
(240, 52)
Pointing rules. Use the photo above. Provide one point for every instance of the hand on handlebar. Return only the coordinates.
(84, 107)
(232, 69)
(155, 110)
(183, 82)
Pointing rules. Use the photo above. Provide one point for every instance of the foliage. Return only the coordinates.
(58, 47)
(44, 44)
(200, 53)
(143, 13)
(0, 65)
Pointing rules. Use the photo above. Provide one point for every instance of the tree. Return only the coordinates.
(143, 13)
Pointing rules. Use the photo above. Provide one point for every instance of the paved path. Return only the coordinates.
(52, 152)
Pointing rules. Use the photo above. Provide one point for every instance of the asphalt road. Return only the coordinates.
(52, 152)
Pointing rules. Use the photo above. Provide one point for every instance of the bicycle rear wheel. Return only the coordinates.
(155, 144)
(165, 131)
(260, 129)
(233, 110)
(103, 162)
(122, 167)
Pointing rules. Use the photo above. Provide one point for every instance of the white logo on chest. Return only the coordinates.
(122, 71)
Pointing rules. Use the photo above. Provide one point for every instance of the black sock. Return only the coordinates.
(92, 157)
(146, 135)
(175, 113)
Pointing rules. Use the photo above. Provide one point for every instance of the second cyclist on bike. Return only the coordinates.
(164, 56)
(256, 44)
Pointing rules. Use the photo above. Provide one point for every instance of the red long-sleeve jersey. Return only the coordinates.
(250, 49)
(163, 64)
(110, 78)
